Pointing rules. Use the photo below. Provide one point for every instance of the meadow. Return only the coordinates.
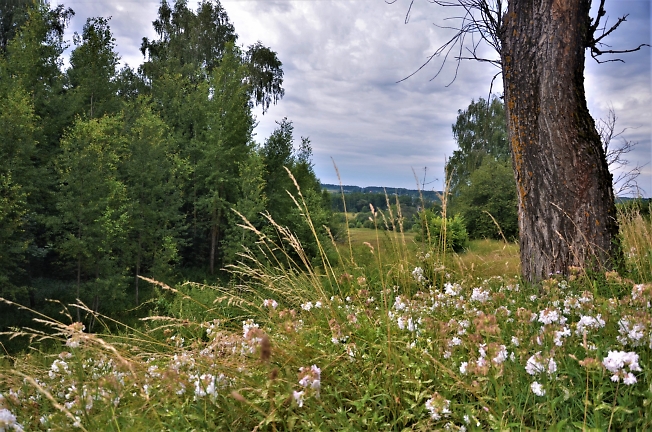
(386, 334)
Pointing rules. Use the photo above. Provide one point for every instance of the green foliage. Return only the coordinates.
(152, 170)
(93, 219)
(437, 231)
(92, 72)
(480, 174)
(188, 39)
(12, 15)
(18, 176)
(480, 132)
(109, 175)
(489, 192)
(34, 60)
(265, 75)
(285, 195)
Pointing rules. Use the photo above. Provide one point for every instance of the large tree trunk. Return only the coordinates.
(567, 215)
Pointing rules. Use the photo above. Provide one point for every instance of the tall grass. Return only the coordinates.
(636, 232)
(401, 341)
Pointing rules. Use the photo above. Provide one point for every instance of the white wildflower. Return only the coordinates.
(501, 356)
(480, 295)
(270, 303)
(8, 420)
(537, 389)
(399, 304)
(537, 364)
(588, 322)
(455, 341)
(452, 290)
(617, 361)
(565, 332)
(298, 397)
(629, 379)
(417, 274)
(311, 378)
(438, 407)
(548, 316)
(247, 327)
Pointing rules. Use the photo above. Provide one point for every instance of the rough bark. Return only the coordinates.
(567, 215)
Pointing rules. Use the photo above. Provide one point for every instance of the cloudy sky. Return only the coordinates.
(342, 60)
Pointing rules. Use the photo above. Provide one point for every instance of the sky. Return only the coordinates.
(342, 61)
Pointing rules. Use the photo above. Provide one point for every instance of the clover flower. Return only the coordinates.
(306, 306)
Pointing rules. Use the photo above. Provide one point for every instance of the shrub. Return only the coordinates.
(453, 230)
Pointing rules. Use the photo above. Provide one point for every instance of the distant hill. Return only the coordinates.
(427, 195)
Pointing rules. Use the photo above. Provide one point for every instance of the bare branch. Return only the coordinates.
(479, 19)
(624, 181)
(594, 42)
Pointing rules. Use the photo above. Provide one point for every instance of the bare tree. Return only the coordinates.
(567, 214)
(616, 147)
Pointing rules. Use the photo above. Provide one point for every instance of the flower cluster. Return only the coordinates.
(417, 274)
(309, 305)
(269, 303)
(8, 420)
(589, 322)
(616, 361)
(538, 364)
(537, 389)
(310, 380)
(438, 406)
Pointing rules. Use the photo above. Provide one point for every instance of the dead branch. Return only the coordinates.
(625, 176)
(595, 40)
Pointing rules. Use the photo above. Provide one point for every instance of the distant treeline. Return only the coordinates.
(360, 201)
(358, 198)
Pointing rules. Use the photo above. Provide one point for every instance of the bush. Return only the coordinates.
(491, 189)
(454, 230)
